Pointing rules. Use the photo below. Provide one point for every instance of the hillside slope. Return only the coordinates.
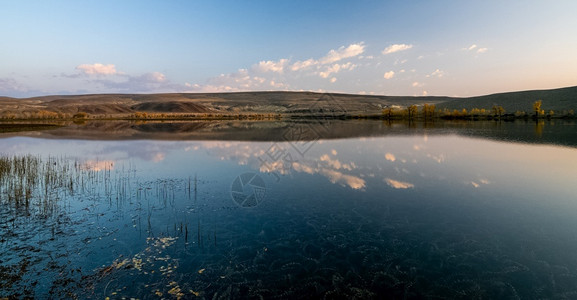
(562, 99)
(290, 103)
(221, 103)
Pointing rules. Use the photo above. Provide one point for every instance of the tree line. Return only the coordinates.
(497, 112)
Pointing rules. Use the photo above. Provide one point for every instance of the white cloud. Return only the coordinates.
(396, 48)
(342, 53)
(97, 69)
(299, 65)
(398, 184)
(275, 84)
(271, 66)
(437, 73)
(475, 48)
(417, 84)
(279, 74)
(335, 68)
(153, 77)
(389, 75)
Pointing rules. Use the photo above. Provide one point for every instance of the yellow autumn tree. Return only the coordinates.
(388, 112)
(537, 108)
(429, 111)
(498, 110)
(412, 110)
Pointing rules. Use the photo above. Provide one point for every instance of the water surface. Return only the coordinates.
(418, 213)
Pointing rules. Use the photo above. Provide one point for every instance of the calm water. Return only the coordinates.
(406, 216)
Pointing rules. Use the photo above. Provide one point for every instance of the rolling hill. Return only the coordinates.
(559, 100)
(286, 103)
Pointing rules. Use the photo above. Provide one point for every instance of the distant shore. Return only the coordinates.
(553, 104)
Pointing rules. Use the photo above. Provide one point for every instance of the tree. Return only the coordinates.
(80, 115)
(498, 110)
(429, 111)
(537, 108)
(388, 112)
(412, 110)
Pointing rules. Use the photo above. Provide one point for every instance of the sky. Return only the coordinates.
(397, 47)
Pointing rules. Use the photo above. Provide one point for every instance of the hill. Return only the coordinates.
(559, 100)
(284, 103)
(292, 103)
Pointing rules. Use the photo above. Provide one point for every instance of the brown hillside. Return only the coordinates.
(170, 107)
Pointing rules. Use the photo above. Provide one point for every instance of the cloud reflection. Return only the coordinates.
(333, 176)
(95, 165)
(398, 184)
(390, 157)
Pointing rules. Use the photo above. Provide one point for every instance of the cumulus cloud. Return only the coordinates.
(398, 184)
(335, 68)
(267, 74)
(396, 48)
(263, 75)
(97, 69)
(300, 65)
(389, 75)
(272, 66)
(475, 48)
(342, 53)
(437, 73)
(416, 84)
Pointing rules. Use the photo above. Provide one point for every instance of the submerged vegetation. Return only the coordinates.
(48, 201)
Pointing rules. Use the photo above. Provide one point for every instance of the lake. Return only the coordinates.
(335, 209)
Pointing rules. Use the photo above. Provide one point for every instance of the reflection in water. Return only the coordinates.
(418, 216)
(539, 124)
(95, 165)
(399, 184)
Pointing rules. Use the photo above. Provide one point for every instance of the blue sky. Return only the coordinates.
(454, 48)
